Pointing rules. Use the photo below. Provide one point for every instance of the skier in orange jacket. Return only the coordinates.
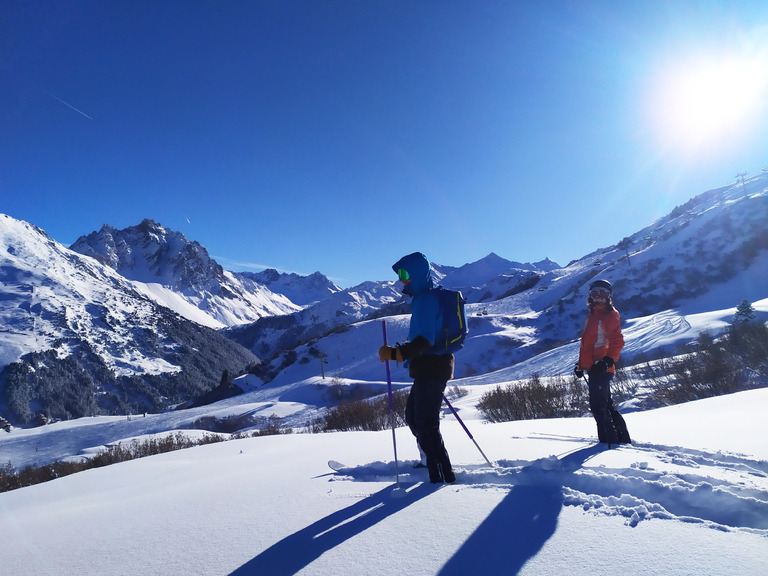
(601, 344)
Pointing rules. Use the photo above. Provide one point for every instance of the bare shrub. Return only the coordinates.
(578, 397)
(623, 386)
(749, 340)
(338, 391)
(364, 414)
(736, 361)
(533, 399)
(456, 392)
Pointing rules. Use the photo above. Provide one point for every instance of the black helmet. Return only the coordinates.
(601, 284)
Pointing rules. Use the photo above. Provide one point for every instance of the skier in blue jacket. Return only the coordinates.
(429, 369)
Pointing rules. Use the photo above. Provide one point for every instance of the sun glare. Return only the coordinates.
(700, 103)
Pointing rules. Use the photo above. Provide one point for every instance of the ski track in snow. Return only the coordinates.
(719, 490)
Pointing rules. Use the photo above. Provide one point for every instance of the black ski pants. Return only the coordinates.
(611, 427)
(422, 414)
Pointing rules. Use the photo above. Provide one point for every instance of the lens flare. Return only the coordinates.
(701, 103)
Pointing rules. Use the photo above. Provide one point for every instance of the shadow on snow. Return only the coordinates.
(523, 521)
(302, 548)
(526, 518)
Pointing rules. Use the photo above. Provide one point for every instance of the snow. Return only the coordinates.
(167, 297)
(690, 496)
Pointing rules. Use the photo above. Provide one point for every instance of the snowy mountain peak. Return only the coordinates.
(180, 274)
(485, 270)
(546, 265)
(151, 253)
(302, 290)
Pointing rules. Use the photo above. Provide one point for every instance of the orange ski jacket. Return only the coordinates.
(600, 337)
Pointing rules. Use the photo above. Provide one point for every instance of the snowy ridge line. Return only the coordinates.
(719, 491)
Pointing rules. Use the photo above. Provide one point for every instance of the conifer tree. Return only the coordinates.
(744, 312)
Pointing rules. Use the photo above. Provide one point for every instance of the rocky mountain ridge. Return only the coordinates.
(181, 275)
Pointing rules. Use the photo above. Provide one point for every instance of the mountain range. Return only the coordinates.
(142, 319)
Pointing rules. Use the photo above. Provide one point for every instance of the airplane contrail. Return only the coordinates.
(67, 104)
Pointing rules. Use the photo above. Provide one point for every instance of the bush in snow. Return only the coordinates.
(368, 415)
(535, 399)
(736, 361)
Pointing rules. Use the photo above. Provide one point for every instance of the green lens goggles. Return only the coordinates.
(403, 275)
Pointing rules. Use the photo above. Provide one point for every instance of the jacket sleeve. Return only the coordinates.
(410, 350)
(588, 339)
(615, 337)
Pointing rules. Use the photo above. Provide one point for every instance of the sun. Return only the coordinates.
(699, 103)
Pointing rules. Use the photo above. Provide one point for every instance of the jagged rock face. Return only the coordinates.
(203, 291)
(151, 253)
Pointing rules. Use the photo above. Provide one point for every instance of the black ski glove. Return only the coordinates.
(602, 365)
(578, 371)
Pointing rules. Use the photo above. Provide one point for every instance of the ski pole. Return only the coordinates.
(467, 431)
(391, 406)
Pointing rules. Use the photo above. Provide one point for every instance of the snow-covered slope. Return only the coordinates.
(689, 497)
(707, 255)
(81, 339)
(180, 275)
(53, 296)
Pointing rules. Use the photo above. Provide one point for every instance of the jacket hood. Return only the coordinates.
(419, 270)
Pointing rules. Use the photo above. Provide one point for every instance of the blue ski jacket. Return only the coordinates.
(426, 320)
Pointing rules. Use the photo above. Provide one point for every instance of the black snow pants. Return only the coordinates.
(422, 414)
(611, 427)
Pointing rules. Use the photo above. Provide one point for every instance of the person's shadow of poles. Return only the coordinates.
(300, 549)
(517, 528)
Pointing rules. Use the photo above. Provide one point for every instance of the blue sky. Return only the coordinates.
(339, 135)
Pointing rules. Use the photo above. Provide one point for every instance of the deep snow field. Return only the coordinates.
(690, 496)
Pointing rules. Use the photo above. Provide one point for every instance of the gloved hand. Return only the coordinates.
(602, 365)
(389, 353)
(578, 371)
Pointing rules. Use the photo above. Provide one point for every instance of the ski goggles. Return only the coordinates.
(403, 275)
(599, 293)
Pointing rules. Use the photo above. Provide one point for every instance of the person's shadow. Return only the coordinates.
(512, 534)
(300, 549)
(519, 526)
